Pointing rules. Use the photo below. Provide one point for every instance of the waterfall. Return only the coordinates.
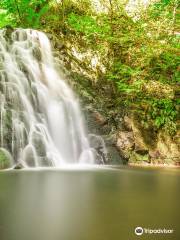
(40, 119)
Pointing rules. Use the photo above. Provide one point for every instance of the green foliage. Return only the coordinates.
(135, 52)
(89, 26)
(25, 12)
(127, 88)
(163, 7)
(83, 24)
(5, 19)
(164, 114)
(164, 67)
(124, 75)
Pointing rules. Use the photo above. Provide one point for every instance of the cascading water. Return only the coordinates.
(40, 120)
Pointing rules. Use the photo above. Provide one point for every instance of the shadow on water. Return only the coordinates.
(88, 204)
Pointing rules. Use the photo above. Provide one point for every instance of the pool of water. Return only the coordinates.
(89, 203)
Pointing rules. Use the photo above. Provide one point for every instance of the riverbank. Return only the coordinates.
(154, 165)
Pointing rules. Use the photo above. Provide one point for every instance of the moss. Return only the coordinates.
(135, 157)
(4, 160)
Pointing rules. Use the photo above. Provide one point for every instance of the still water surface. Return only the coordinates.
(88, 204)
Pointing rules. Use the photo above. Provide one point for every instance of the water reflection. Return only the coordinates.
(88, 205)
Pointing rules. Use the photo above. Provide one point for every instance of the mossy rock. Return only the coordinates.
(5, 159)
(18, 166)
(8, 32)
(135, 157)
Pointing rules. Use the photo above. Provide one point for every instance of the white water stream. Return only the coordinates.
(40, 120)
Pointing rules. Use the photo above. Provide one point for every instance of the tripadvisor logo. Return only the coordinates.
(139, 231)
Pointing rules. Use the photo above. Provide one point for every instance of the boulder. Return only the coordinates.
(18, 166)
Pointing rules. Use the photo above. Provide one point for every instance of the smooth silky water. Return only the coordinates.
(40, 119)
(100, 203)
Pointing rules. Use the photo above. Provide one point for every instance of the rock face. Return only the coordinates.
(139, 145)
(98, 126)
(125, 143)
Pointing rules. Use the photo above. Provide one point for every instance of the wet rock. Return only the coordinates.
(110, 139)
(37, 54)
(98, 158)
(97, 123)
(8, 31)
(113, 156)
(97, 143)
(19, 166)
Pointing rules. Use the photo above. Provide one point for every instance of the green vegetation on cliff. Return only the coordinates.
(132, 51)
